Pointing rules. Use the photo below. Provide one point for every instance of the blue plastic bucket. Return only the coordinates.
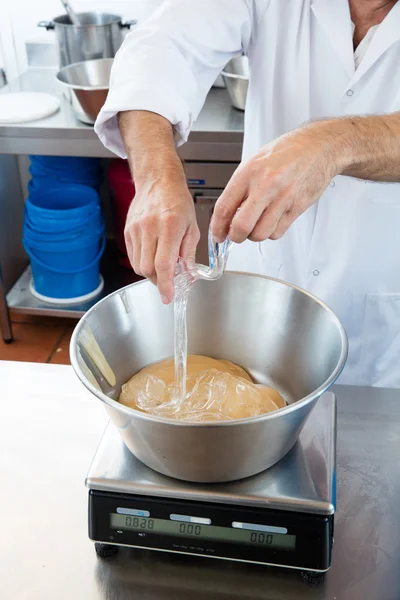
(65, 271)
(71, 254)
(64, 163)
(36, 184)
(77, 234)
(63, 228)
(77, 198)
(87, 171)
(63, 208)
(64, 238)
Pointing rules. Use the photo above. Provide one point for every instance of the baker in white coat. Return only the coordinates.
(320, 205)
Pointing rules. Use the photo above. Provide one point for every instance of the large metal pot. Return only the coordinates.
(99, 35)
(281, 334)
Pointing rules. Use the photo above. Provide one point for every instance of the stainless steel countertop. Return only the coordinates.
(50, 428)
(218, 124)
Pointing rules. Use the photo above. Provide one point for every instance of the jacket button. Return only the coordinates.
(316, 272)
(350, 92)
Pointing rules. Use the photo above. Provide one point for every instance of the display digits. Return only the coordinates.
(261, 538)
(137, 523)
(189, 529)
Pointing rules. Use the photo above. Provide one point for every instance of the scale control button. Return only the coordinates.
(132, 511)
(258, 527)
(190, 519)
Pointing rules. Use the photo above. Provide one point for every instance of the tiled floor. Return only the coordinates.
(39, 339)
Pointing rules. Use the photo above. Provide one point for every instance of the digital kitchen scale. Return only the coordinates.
(282, 517)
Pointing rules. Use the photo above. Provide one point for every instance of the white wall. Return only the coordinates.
(26, 14)
(13, 54)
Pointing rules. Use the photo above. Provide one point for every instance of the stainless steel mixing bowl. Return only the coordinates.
(88, 83)
(236, 77)
(282, 335)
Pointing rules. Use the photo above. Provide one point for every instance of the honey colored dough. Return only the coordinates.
(273, 394)
(216, 390)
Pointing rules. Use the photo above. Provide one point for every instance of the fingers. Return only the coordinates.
(171, 245)
(272, 225)
(283, 225)
(166, 257)
(133, 247)
(227, 205)
(147, 254)
(189, 244)
(240, 208)
(246, 219)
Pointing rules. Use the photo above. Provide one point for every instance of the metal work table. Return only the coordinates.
(216, 135)
(50, 429)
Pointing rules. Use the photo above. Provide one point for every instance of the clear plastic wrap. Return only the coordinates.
(215, 391)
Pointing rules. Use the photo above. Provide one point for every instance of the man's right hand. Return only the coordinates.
(161, 226)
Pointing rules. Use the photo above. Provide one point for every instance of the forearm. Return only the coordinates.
(363, 147)
(150, 147)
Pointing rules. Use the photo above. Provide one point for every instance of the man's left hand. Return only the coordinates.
(276, 186)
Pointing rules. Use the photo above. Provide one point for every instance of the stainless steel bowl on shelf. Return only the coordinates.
(88, 83)
(282, 335)
(236, 76)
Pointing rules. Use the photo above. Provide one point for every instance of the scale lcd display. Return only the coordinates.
(205, 532)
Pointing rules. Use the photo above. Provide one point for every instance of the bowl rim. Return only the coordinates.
(212, 424)
(235, 76)
(86, 88)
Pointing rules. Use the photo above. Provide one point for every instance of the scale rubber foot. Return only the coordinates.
(105, 550)
(312, 577)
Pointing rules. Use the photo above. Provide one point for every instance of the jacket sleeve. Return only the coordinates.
(168, 64)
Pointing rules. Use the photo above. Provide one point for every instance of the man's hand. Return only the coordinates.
(275, 187)
(161, 226)
(161, 223)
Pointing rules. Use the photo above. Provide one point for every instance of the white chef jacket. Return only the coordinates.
(346, 248)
